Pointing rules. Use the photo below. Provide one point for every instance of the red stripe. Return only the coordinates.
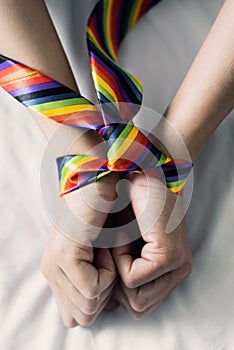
(9, 70)
(81, 117)
(138, 146)
(25, 81)
(131, 154)
(92, 26)
(125, 111)
(144, 8)
(92, 165)
(107, 77)
(114, 23)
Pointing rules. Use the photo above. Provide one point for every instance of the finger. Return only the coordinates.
(91, 281)
(144, 297)
(135, 272)
(64, 308)
(122, 299)
(73, 315)
(87, 306)
(88, 319)
(86, 209)
(148, 198)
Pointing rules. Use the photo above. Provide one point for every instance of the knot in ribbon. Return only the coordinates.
(128, 149)
(120, 97)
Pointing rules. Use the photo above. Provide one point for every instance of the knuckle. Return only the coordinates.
(188, 266)
(89, 307)
(138, 305)
(91, 292)
(175, 257)
(70, 322)
(178, 256)
(130, 281)
(86, 321)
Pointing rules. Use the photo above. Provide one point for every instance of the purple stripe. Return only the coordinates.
(185, 166)
(6, 64)
(34, 88)
(93, 126)
(120, 13)
(94, 18)
(121, 90)
(142, 157)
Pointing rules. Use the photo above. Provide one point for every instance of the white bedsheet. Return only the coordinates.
(199, 314)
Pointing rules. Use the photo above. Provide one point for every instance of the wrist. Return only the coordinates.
(193, 125)
(170, 141)
(66, 140)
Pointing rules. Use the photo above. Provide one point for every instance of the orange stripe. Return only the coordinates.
(18, 73)
(25, 82)
(83, 117)
(9, 70)
(136, 148)
(92, 165)
(109, 79)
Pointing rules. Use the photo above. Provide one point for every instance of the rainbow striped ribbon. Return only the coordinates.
(120, 97)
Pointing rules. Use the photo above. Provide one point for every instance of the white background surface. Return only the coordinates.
(199, 314)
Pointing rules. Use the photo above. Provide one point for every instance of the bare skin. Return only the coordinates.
(206, 95)
(201, 103)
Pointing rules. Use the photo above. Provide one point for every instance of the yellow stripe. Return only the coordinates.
(89, 31)
(105, 86)
(176, 189)
(71, 168)
(65, 110)
(136, 81)
(136, 13)
(167, 160)
(125, 145)
(82, 161)
(19, 75)
(108, 26)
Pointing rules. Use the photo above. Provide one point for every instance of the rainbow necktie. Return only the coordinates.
(120, 97)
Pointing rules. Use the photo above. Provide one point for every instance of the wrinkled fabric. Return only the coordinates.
(199, 314)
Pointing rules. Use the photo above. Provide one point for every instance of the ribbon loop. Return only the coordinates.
(120, 96)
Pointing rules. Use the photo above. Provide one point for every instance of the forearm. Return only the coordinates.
(206, 95)
(28, 36)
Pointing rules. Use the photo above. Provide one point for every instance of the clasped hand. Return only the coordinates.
(85, 282)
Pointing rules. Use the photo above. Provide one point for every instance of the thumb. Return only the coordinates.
(81, 214)
(122, 245)
(104, 260)
(122, 254)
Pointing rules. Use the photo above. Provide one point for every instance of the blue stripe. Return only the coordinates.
(46, 99)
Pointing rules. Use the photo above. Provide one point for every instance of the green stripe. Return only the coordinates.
(72, 161)
(175, 183)
(98, 47)
(162, 159)
(104, 173)
(105, 6)
(104, 92)
(131, 15)
(61, 103)
(138, 85)
(134, 80)
(121, 138)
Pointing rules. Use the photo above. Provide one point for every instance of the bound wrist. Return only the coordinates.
(66, 140)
